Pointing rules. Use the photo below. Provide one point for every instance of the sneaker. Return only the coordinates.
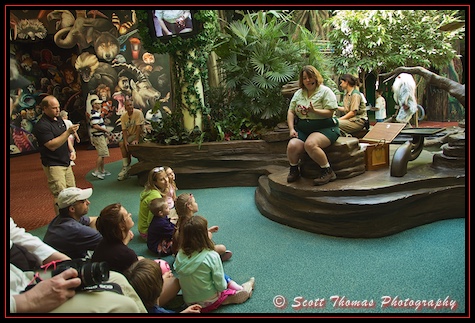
(226, 255)
(124, 173)
(328, 175)
(105, 173)
(249, 285)
(239, 297)
(294, 174)
(98, 175)
(366, 124)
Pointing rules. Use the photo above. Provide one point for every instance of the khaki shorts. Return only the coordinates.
(100, 143)
(131, 138)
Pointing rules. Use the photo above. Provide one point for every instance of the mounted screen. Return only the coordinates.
(166, 24)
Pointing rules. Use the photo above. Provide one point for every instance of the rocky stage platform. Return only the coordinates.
(371, 205)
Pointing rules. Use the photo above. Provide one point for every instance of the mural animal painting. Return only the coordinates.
(121, 93)
(404, 88)
(144, 94)
(80, 31)
(106, 46)
(94, 72)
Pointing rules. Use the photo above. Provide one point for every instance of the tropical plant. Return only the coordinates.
(257, 58)
(222, 123)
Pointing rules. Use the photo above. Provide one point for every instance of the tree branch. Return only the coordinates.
(455, 89)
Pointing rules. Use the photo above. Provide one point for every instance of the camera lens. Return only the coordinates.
(94, 273)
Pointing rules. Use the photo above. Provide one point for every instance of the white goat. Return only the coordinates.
(404, 88)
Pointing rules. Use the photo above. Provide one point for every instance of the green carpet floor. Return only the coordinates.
(420, 271)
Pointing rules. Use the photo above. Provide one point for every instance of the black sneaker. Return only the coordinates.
(366, 124)
(328, 175)
(294, 174)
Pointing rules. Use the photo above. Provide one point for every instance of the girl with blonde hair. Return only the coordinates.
(171, 196)
(157, 186)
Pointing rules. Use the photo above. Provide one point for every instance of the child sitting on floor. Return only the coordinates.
(157, 185)
(160, 230)
(200, 270)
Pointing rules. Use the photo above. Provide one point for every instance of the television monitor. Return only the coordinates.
(166, 24)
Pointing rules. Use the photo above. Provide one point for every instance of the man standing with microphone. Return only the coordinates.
(52, 136)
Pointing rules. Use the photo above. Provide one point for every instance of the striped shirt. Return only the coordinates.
(97, 119)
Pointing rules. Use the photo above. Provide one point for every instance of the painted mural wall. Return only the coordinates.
(78, 56)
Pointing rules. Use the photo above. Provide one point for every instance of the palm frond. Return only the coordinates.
(251, 90)
(258, 64)
(240, 30)
(282, 73)
(262, 82)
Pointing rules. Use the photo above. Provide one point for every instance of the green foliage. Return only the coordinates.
(373, 40)
(257, 60)
(310, 48)
(223, 122)
(170, 130)
(188, 57)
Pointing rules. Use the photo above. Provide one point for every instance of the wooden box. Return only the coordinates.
(376, 144)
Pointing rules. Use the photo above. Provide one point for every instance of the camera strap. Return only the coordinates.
(109, 287)
(35, 280)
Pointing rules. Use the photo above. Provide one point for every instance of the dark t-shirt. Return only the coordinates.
(72, 237)
(119, 256)
(159, 238)
(45, 130)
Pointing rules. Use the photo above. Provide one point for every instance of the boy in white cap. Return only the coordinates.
(71, 231)
(98, 139)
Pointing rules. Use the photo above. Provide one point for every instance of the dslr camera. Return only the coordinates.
(91, 273)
